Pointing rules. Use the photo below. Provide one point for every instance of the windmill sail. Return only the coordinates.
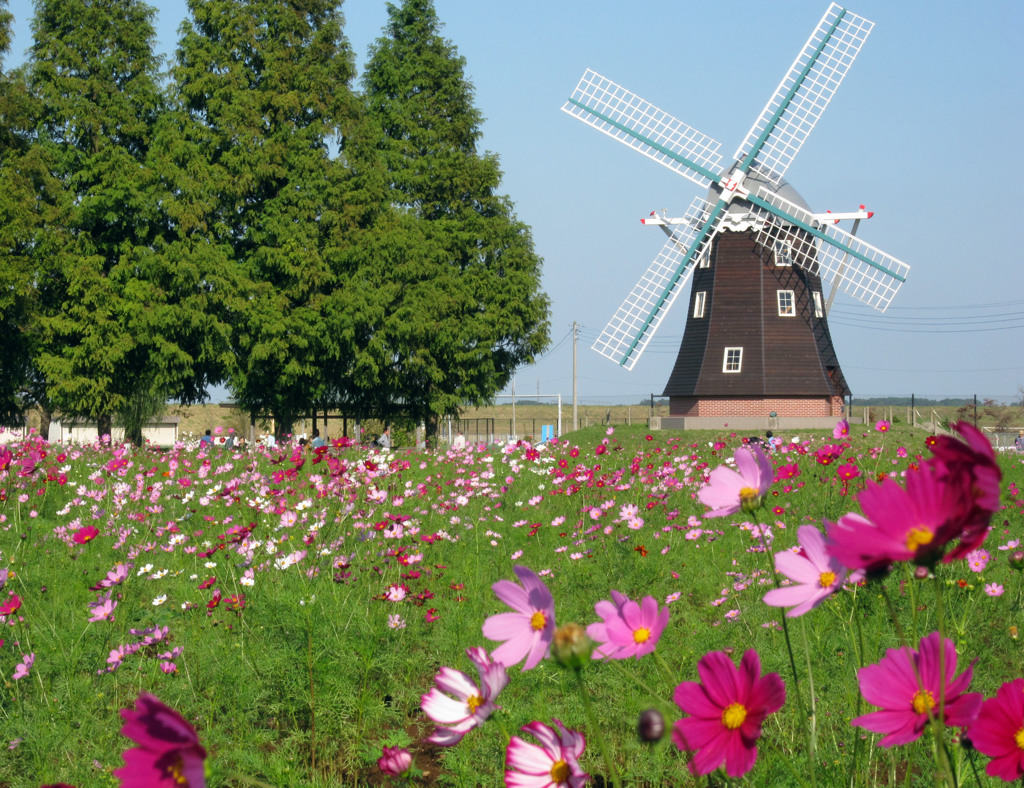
(626, 117)
(800, 99)
(866, 273)
(634, 323)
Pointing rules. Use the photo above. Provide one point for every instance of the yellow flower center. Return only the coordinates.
(734, 715)
(559, 772)
(641, 635)
(919, 537)
(923, 701)
(176, 771)
(827, 579)
(474, 702)
(1018, 737)
(748, 495)
(538, 620)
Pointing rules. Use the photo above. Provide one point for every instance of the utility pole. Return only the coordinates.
(513, 436)
(575, 335)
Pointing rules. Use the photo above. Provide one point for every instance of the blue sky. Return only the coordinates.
(926, 131)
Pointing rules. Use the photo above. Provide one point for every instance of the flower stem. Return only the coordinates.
(613, 775)
(805, 723)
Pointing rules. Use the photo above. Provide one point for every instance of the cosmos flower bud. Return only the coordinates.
(571, 647)
(651, 725)
(1017, 560)
(395, 761)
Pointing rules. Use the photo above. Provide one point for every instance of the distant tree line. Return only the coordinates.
(251, 218)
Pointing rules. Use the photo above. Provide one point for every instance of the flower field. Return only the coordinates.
(607, 609)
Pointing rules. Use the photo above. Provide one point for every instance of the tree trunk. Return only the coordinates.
(134, 434)
(432, 424)
(103, 425)
(44, 423)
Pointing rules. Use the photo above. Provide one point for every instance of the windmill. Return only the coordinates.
(756, 341)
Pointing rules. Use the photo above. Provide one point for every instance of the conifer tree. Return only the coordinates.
(12, 283)
(464, 306)
(115, 332)
(264, 90)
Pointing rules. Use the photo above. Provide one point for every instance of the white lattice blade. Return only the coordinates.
(629, 331)
(800, 99)
(868, 274)
(626, 117)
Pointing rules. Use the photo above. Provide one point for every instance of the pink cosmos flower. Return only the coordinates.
(395, 761)
(817, 574)
(726, 712)
(978, 559)
(167, 751)
(841, 430)
(627, 629)
(994, 589)
(102, 609)
(998, 732)
(554, 764)
(22, 669)
(882, 425)
(899, 524)
(728, 491)
(527, 632)
(114, 577)
(470, 704)
(892, 685)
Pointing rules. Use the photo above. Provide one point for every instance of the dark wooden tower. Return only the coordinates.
(756, 340)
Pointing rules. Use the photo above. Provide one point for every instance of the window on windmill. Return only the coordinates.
(733, 359)
(698, 303)
(787, 303)
(704, 261)
(783, 253)
(819, 310)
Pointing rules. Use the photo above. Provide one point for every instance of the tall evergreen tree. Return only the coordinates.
(24, 184)
(465, 306)
(264, 86)
(12, 285)
(116, 337)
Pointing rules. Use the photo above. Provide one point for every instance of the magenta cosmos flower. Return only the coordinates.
(915, 523)
(554, 764)
(728, 491)
(528, 631)
(998, 731)
(469, 705)
(969, 467)
(817, 575)
(627, 629)
(726, 712)
(167, 751)
(892, 685)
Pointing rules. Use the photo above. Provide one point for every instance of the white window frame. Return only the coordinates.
(819, 310)
(704, 261)
(782, 254)
(699, 302)
(786, 310)
(737, 364)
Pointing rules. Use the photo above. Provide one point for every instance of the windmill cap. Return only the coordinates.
(752, 181)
